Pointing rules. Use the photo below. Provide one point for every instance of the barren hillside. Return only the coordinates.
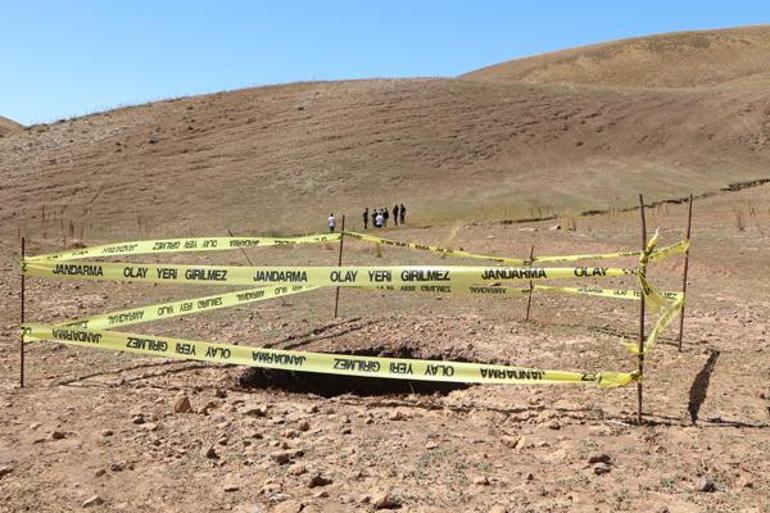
(678, 60)
(8, 127)
(283, 157)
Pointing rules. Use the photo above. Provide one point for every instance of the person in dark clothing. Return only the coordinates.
(385, 215)
(403, 213)
(395, 214)
(366, 218)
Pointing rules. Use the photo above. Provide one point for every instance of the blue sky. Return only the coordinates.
(65, 58)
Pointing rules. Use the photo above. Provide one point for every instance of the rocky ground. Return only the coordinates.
(105, 431)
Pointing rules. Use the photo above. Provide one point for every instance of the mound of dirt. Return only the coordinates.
(681, 59)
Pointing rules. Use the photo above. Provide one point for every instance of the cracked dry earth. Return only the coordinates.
(104, 431)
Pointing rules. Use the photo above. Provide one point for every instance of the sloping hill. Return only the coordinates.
(682, 59)
(8, 127)
(282, 157)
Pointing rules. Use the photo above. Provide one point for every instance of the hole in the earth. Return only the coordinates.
(330, 385)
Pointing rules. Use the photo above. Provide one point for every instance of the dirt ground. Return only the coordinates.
(97, 423)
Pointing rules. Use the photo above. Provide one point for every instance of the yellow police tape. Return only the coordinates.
(599, 292)
(185, 245)
(190, 306)
(164, 246)
(346, 276)
(674, 249)
(279, 281)
(393, 368)
(669, 314)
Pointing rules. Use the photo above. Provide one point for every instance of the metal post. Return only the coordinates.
(531, 285)
(639, 382)
(339, 264)
(21, 315)
(684, 278)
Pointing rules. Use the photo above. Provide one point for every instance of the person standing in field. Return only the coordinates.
(379, 220)
(385, 215)
(366, 218)
(332, 223)
(403, 213)
(395, 214)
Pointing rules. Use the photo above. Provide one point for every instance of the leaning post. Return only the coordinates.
(531, 285)
(640, 380)
(684, 277)
(21, 316)
(339, 264)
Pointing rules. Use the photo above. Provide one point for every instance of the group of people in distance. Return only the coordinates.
(379, 217)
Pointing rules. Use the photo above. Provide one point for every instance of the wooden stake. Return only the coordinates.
(639, 382)
(242, 250)
(21, 317)
(339, 264)
(531, 285)
(684, 277)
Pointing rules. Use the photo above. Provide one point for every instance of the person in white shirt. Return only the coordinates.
(379, 220)
(332, 223)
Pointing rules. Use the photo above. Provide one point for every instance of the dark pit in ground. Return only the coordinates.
(331, 385)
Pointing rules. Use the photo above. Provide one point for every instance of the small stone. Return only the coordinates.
(321, 495)
(138, 419)
(107, 432)
(254, 411)
(92, 501)
(555, 227)
(223, 440)
(663, 509)
(182, 405)
(601, 468)
(231, 487)
(396, 415)
(481, 480)
(599, 458)
(150, 426)
(304, 426)
(117, 466)
(384, 500)
(285, 457)
(529, 477)
(210, 453)
(509, 441)
(706, 484)
(58, 435)
(554, 424)
(297, 469)
(431, 445)
(5, 470)
(498, 508)
(99, 472)
(220, 393)
(318, 480)
(289, 506)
